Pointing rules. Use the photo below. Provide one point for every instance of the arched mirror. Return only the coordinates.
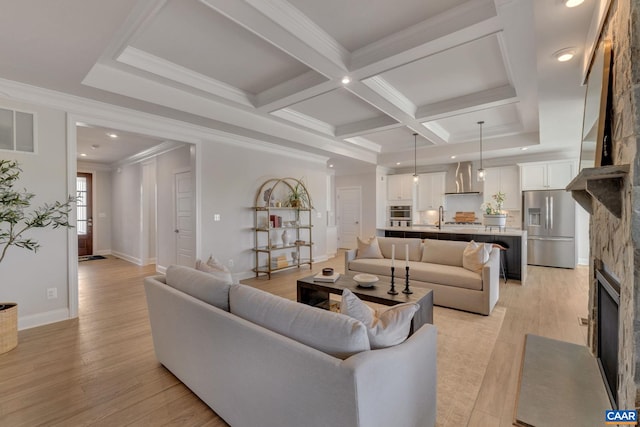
(596, 132)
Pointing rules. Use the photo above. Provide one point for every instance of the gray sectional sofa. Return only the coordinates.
(437, 265)
(259, 360)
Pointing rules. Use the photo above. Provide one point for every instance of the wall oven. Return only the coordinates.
(400, 216)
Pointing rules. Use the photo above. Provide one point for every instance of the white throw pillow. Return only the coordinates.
(385, 328)
(214, 271)
(214, 263)
(369, 249)
(475, 256)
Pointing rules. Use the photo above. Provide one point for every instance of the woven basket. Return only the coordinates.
(8, 328)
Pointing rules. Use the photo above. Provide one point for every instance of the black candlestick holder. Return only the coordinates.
(393, 291)
(406, 282)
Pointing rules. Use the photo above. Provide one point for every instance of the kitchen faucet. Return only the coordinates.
(440, 217)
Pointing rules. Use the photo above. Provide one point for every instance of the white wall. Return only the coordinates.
(231, 176)
(127, 213)
(582, 234)
(24, 275)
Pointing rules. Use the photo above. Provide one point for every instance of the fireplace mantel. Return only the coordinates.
(603, 184)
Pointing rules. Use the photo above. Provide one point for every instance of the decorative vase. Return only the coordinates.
(8, 327)
(497, 220)
(285, 238)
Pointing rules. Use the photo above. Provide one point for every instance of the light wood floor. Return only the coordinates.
(100, 369)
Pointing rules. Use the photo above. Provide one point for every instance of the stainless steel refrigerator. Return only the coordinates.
(550, 218)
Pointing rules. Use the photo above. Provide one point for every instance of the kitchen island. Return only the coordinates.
(515, 239)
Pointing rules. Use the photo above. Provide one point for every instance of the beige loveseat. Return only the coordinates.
(437, 265)
(259, 360)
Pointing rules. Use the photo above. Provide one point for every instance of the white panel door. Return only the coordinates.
(349, 217)
(185, 238)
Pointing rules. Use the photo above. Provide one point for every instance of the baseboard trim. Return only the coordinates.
(136, 261)
(583, 261)
(103, 252)
(161, 269)
(39, 319)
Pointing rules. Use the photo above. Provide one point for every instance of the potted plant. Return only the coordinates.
(15, 221)
(299, 197)
(495, 217)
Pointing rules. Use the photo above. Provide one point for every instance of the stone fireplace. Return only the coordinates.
(615, 242)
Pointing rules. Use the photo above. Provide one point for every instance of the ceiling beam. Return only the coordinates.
(464, 104)
(376, 124)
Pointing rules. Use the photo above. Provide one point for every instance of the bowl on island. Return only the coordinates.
(365, 280)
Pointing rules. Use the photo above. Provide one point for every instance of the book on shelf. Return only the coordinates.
(321, 278)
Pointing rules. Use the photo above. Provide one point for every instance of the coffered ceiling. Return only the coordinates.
(274, 70)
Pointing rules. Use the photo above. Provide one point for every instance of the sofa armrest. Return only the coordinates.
(349, 255)
(491, 279)
(404, 374)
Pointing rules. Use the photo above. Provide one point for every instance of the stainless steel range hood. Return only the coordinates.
(461, 179)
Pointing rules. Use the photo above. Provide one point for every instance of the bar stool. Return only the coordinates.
(503, 246)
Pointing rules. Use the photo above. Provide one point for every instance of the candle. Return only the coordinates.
(393, 255)
(406, 253)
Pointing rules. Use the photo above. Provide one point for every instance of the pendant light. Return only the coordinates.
(481, 172)
(415, 157)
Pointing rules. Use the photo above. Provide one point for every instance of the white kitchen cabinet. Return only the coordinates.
(400, 187)
(507, 180)
(431, 190)
(547, 175)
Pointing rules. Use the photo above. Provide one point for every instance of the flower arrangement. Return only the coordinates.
(499, 198)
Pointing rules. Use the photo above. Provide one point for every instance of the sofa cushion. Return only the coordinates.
(203, 286)
(415, 248)
(368, 249)
(445, 275)
(379, 267)
(444, 252)
(386, 327)
(332, 333)
(475, 256)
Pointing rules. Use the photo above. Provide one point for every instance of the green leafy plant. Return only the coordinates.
(15, 219)
(299, 197)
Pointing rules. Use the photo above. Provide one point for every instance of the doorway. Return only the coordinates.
(84, 219)
(184, 224)
(349, 203)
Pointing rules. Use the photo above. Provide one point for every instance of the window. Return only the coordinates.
(81, 193)
(17, 131)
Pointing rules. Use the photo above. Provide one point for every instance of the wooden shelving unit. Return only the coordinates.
(297, 221)
(603, 184)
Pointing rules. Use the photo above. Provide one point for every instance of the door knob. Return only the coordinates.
(176, 231)
(357, 222)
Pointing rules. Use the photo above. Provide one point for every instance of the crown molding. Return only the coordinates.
(149, 153)
(161, 67)
(304, 120)
(365, 143)
(108, 115)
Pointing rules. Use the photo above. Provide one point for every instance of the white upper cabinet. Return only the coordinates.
(507, 180)
(400, 187)
(547, 175)
(431, 190)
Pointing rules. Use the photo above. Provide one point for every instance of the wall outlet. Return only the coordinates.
(216, 217)
(52, 293)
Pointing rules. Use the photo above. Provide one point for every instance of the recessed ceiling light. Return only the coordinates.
(564, 55)
(112, 135)
(453, 157)
(397, 163)
(573, 3)
(83, 154)
(346, 80)
(331, 165)
(524, 148)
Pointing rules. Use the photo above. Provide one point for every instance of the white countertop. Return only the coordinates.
(461, 229)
